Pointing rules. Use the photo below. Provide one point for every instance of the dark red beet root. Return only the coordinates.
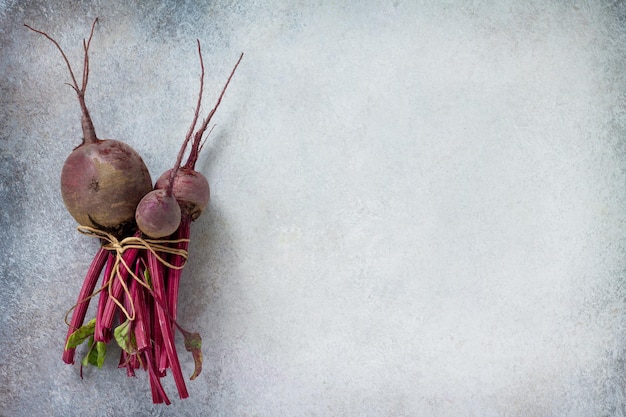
(190, 188)
(158, 214)
(102, 182)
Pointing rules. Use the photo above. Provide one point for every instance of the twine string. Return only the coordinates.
(119, 247)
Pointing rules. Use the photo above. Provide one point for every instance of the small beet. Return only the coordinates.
(158, 214)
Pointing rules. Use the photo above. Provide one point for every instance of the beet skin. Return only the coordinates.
(102, 183)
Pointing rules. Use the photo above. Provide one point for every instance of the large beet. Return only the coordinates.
(102, 182)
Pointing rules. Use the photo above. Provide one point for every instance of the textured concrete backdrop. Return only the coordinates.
(418, 209)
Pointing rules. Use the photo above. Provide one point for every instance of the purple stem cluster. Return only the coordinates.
(151, 334)
(152, 305)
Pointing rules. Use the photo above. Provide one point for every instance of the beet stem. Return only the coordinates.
(142, 324)
(156, 273)
(205, 139)
(193, 155)
(127, 251)
(86, 61)
(157, 338)
(125, 357)
(174, 274)
(158, 393)
(89, 132)
(105, 321)
(179, 158)
(84, 296)
(104, 295)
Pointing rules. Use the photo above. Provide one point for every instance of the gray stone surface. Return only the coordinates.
(418, 207)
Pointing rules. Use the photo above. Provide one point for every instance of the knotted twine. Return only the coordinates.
(154, 246)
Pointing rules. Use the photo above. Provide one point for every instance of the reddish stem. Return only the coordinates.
(157, 340)
(174, 274)
(89, 284)
(105, 321)
(158, 393)
(131, 360)
(197, 141)
(104, 294)
(179, 157)
(126, 359)
(89, 132)
(142, 321)
(162, 358)
(156, 273)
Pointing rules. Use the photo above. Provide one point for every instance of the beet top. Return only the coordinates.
(102, 181)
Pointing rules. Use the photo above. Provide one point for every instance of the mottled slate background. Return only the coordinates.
(418, 208)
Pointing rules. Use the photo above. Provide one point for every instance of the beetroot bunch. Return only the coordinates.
(144, 233)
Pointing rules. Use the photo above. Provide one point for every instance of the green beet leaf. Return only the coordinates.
(96, 354)
(146, 275)
(81, 334)
(124, 338)
(101, 348)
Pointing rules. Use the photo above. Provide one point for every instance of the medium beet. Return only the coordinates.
(190, 188)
